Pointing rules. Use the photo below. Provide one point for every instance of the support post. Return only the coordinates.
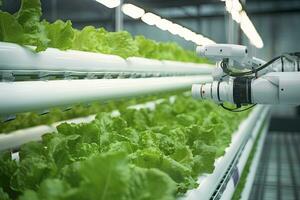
(119, 18)
(230, 29)
(53, 10)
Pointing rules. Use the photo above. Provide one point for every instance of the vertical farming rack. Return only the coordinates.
(38, 81)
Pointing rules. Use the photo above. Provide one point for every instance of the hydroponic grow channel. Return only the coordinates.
(54, 78)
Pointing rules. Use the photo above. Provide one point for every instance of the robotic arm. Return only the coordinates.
(242, 80)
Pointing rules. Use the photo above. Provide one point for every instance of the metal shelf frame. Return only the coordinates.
(135, 76)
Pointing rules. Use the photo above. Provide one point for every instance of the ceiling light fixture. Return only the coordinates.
(110, 3)
(175, 29)
(133, 11)
(234, 7)
(150, 18)
(250, 31)
(164, 24)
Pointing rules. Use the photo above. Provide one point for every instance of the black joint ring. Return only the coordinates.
(201, 90)
(211, 91)
(218, 91)
(282, 65)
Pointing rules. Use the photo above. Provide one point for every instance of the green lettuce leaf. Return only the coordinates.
(111, 181)
(50, 189)
(3, 195)
(155, 159)
(10, 29)
(7, 168)
(148, 184)
(28, 17)
(61, 34)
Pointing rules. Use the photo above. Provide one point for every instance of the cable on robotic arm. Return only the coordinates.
(237, 109)
(228, 72)
(297, 54)
(224, 65)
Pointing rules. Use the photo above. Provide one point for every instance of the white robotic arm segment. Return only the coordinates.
(216, 91)
(218, 52)
(272, 88)
(242, 80)
(265, 90)
(237, 54)
(289, 84)
(281, 65)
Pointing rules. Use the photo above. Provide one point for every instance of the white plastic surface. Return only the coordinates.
(289, 88)
(288, 66)
(183, 67)
(227, 194)
(272, 88)
(277, 88)
(79, 61)
(218, 92)
(39, 95)
(143, 64)
(196, 91)
(218, 52)
(17, 138)
(265, 90)
(54, 59)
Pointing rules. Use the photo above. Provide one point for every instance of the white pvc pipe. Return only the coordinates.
(26, 96)
(17, 138)
(79, 61)
(55, 59)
